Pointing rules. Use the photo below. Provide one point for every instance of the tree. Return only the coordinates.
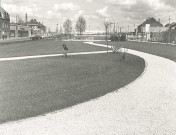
(68, 27)
(20, 21)
(107, 24)
(57, 29)
(60, 31)
(81, 25)
(49, 30)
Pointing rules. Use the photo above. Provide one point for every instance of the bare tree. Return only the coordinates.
(49, 30)
(107, 24)
(20, 21)
(81, 25)
(60, 31)
(68, 27)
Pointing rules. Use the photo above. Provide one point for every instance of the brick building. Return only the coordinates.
(4, 24)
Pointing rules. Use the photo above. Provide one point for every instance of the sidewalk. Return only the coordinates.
(147, 106)
(11, 40)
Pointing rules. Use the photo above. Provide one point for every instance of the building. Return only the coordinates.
(4, 24)
(19, 30)
(150, 27)
(172, 25)
(37, 28)
(171, 32)
(150, 22)
(26, 29)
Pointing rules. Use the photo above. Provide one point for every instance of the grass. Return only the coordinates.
(43, 47)
(37, 86)
(166, 51)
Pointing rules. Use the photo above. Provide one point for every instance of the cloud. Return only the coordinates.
(53, 15)
(103, 12)
(21, 2)
(79, 13)
(125, 12)
(15, 9)
(66, 7)
(142, 9)
(172, 3)
(158, 5)
(90, 1)
(122, 2)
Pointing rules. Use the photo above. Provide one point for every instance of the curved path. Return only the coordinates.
(146, 106)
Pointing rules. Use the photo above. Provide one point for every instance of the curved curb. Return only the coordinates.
(147, 106)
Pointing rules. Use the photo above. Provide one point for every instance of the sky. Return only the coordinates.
(123, 12)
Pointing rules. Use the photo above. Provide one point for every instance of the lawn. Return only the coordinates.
(43, 47)
(34, 87)
(166, 51)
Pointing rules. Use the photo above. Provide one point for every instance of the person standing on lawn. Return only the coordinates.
(65, 49)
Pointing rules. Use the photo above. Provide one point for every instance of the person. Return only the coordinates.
(65, 49)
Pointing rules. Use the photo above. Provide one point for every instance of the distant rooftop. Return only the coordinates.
(34, 22)
(152, 21)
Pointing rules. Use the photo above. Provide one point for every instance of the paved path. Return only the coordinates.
(145, 107)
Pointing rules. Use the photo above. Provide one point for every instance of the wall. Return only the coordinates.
(4, 28)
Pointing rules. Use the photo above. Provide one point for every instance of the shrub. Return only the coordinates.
(165, 36)
(121, 37)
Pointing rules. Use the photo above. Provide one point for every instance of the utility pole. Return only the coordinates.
(169, 31)
(16, 19)
(128, 31)
(110, 29)
(57, 28)
(116, 27)
(26, 18)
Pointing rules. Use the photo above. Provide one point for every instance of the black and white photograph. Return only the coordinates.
(87, 67)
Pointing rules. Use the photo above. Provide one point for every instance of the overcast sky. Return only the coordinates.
(125, 12)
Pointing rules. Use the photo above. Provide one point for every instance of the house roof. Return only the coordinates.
(173, 24)
(4, 14)
(34, 22)
(152, 21)
(2, 10)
